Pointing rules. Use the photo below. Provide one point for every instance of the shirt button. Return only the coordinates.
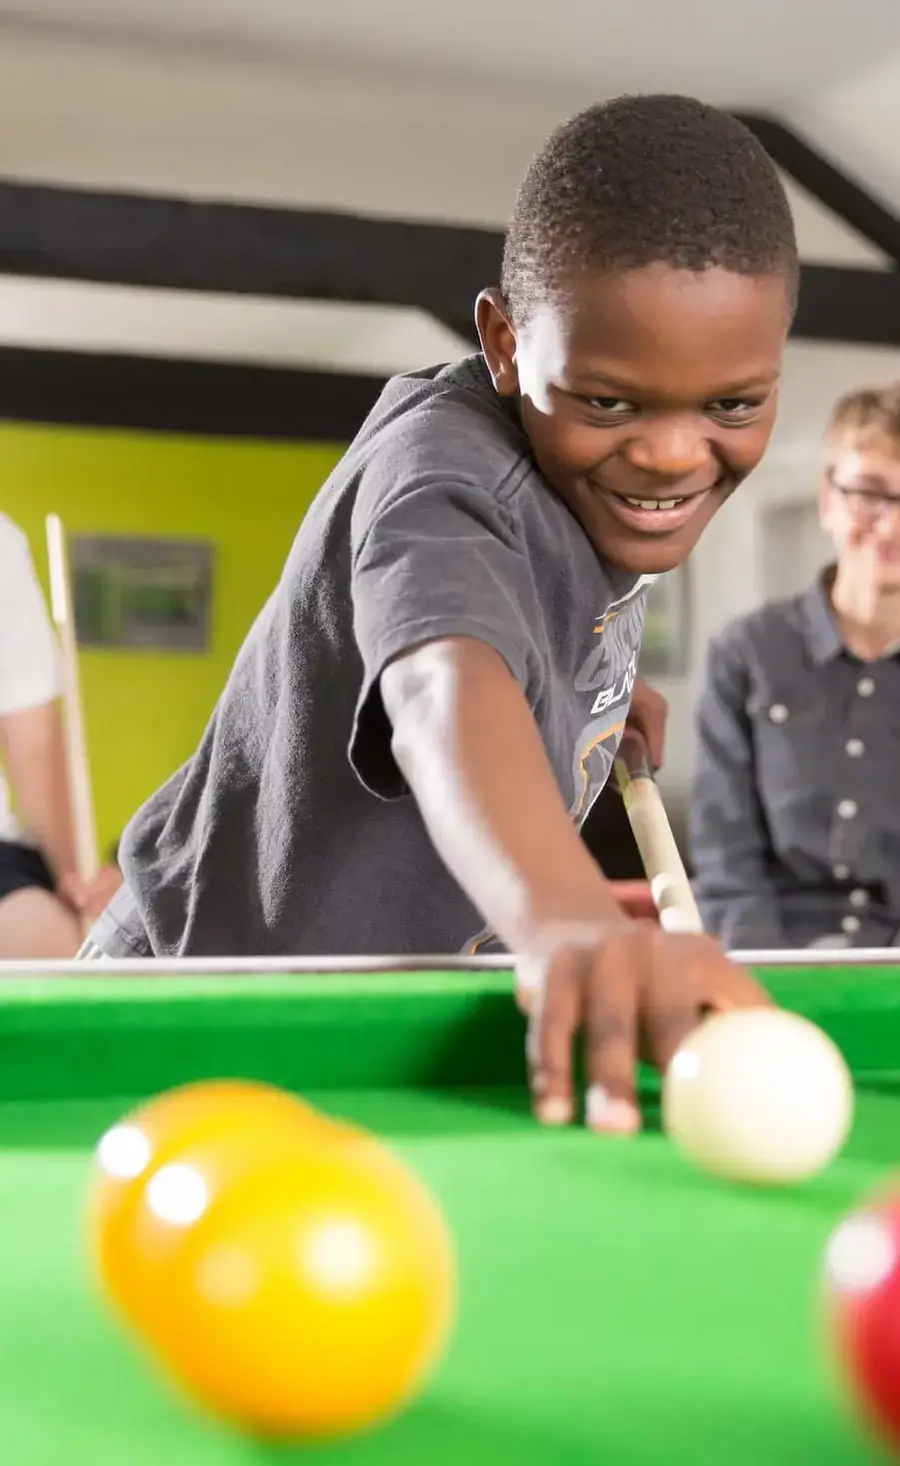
(847, 809)
(865, 686)
(850, 924)
(841, 872)
(859, 899)
(855, 747)
(778, 713)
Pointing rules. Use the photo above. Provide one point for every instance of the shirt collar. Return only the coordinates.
(822, 636)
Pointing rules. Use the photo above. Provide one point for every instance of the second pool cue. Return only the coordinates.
(87, 856)
(663, 866)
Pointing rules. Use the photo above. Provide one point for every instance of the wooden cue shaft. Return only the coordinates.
(80, 791)
(664, 868)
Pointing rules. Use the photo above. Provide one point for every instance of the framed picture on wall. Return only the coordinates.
(666, 629)
(148, 594)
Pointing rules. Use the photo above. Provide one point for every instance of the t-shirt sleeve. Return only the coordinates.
(29, 660)
(439, 559)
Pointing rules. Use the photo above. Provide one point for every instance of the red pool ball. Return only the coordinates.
(862, 1282)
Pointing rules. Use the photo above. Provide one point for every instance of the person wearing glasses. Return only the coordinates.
(795, 816)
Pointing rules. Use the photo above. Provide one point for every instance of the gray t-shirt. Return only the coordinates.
(291, 831)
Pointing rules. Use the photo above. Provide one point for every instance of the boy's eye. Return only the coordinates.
(734, 406)
(615, 405)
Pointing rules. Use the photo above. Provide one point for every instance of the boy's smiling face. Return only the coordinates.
(655, 386)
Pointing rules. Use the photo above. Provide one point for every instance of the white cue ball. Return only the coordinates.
(758, 1095)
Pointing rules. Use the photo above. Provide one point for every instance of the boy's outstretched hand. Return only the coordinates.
(632, 992)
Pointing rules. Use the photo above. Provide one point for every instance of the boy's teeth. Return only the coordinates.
(651, 503)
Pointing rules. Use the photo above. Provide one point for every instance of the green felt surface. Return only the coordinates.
(615, 1306)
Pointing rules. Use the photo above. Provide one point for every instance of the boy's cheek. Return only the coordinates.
(568, 448)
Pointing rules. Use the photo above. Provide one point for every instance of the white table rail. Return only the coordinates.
(253, 966)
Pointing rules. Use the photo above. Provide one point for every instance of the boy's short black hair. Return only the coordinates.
(641, 181)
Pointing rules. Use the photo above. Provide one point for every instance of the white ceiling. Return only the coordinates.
(772, 52)
(831, 67)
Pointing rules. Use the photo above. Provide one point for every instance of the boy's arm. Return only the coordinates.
(467, 744)
(730, 843)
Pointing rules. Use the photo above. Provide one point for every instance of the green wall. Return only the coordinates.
(145, 711)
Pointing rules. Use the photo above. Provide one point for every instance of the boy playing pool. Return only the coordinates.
(426, 708)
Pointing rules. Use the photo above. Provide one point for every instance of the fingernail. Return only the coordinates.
(611, 1116)
(554, 1111)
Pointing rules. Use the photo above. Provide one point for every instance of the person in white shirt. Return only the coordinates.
(43, 903)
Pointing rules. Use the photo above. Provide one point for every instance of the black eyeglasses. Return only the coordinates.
(865, 499)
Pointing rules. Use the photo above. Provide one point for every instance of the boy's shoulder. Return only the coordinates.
(448, 419)
(461, 388)
(768, 625)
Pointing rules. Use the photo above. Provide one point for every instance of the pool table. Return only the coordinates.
(615, 1306)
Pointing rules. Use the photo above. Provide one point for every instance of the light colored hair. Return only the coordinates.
(868, 417)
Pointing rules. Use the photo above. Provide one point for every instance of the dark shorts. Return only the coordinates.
(22, 869)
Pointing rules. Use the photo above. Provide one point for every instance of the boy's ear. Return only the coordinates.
(498, 341)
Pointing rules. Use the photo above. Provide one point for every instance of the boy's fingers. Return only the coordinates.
(743, 991)
(649, 715)
(719, 986)
(654, 730)
(611, 1035)
(524, 998)
(555, 1018)
(667, 1031)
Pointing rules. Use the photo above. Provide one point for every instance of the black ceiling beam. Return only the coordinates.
(848, 305)
(207, 399)
(239, 249)
(245, 250)
(828, 183)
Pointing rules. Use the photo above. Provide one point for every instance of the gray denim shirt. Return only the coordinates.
(795, 816)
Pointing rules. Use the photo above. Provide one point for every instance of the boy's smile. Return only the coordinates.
(647, 397)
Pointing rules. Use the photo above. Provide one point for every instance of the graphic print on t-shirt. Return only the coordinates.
(608, 672)
(606, 681)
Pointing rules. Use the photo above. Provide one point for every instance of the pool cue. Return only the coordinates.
(87, 858)
(663, 866)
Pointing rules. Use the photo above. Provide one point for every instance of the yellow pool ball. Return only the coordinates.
(310, 1295)
(256, 1121)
